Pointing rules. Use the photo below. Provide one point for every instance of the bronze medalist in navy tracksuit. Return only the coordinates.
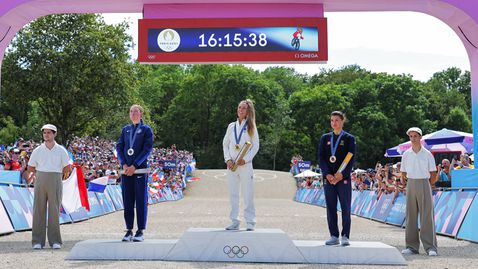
(344, 143)
(134, 188)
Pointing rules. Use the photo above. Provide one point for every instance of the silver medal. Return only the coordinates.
(130, 152)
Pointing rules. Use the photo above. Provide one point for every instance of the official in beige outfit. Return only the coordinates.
(50, 164)
(419, 170)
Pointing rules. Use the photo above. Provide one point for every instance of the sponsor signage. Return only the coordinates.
(304, 165)
(247, 40)
(169, 164)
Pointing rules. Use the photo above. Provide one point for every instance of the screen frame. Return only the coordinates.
(231, 57)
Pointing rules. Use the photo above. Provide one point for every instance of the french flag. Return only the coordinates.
(98, 185)
(75, 195)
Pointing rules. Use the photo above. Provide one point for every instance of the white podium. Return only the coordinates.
(219, 245)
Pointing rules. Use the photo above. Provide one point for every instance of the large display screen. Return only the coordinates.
(261, 40)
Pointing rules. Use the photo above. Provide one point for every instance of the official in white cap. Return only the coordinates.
(419, 170)
(50, 164)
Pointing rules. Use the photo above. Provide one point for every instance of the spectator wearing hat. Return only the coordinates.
(14, 163)
(419, 170)
(50, 164)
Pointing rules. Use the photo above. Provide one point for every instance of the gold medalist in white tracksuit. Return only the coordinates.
(243, 176)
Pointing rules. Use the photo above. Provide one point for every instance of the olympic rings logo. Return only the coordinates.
(235, 251)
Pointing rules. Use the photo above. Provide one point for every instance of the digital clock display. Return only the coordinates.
(233, 40)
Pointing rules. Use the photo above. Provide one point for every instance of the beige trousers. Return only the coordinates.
(48, 191)
(420, 203)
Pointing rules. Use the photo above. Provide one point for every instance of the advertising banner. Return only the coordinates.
(95, 207)
(18, 203)
(469, 224)
(383, 207)
(398, 212)
(451, 210)
(116, 197)
(5, 225)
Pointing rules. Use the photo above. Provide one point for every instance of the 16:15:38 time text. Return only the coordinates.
(239, 40)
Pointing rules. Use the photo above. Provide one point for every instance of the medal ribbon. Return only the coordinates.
(133, 138)
(333, 147)
(238, 139)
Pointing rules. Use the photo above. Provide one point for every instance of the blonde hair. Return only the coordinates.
(138, 107)
(251, 116)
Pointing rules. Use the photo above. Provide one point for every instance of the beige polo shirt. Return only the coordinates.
(49, 160)
(418, 165)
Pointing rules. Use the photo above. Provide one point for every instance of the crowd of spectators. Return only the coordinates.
(97, 158)
(387, 178)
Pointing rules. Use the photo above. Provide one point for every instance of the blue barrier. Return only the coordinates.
(105, 202)
(397, 214)
(469, 224)
(358, 202)
(5, 225)
(115, 193)
(10, 177)
(451, 210)
(383, 207)
(18, 203)
(79, 215)
(464, 178)
(95, 206)
(456, 212)
(369, 205)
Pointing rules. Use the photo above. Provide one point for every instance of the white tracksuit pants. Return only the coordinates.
(242, 179)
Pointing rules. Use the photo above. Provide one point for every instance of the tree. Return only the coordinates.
(8, 132)
(311, 110)
(287, 77)
(159, 86)
(75, 67)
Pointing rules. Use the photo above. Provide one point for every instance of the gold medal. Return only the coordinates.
(238, 147)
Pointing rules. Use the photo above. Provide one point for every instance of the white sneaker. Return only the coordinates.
(233, 227)
(56, 246)
(250, 227)
(344, 241)
(432, 253)
(409, 251)
(332, 241)
(37, 246)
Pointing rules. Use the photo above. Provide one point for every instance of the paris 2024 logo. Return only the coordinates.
(169, 40)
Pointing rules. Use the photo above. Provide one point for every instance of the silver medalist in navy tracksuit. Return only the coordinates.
(343, 189)
(134, 188)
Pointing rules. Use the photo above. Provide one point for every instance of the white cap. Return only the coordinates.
(415, 129)
(49, 127)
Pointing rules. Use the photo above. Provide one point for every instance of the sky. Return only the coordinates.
(392, 42)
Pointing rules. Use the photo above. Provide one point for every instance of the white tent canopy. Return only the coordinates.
(308, 173)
